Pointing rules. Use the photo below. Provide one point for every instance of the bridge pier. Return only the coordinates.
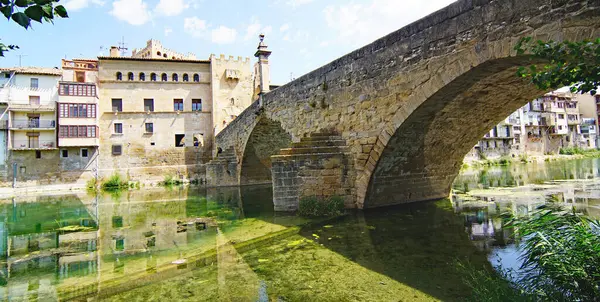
(318, 166)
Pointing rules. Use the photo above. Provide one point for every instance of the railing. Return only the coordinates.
(33, 124)
(33, 144)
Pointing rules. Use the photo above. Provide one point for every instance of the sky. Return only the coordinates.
(303, 34)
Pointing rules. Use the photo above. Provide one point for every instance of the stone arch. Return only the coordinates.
(265, 140)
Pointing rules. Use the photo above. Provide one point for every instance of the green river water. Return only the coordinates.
(227, 244)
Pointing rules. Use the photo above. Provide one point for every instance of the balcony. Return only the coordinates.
(33, 144)
(32, 107)
(32, 124)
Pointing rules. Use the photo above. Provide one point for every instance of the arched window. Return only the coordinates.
(163, 77)
(196, 78)
(142, 76)
(130, 76)
(158, 53)
(153, 77)
(232, 101)
(119, 76)
(186, 78)
(175, 77)
(165, 55)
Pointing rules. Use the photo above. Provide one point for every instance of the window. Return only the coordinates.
(163, 77)
(148, 105)
(142, 76)
(34, 100)
(77, 89)
(130, 76)
(84, 152)
(149, 128)
(153, 77)
(116, 149)
(117, 105)
(196, 78)
(179, 140)
(186, 78)
(118, 128)
(232, 102)
(175, 77)
(77, 110)
(119, 76)
(34, 83)
(561, 116)
(38, 154)
(64, 153)
(158, 53)
(164, 55)
(178, 104)
(80, 76)
(196, 105)
(120, 244)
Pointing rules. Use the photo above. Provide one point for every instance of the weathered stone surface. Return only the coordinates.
(411, 104)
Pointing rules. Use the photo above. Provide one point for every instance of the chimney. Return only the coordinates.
(114, 51)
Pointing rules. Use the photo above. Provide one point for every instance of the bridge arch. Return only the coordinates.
(265, 140)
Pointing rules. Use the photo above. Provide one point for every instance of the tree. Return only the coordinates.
(24, 11)
(574, 64)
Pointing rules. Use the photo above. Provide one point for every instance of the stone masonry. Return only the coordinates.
(410, 105)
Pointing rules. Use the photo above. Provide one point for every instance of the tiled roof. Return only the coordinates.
(33, 70)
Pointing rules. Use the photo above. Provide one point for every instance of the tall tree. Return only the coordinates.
(23, 12)
(574, 64)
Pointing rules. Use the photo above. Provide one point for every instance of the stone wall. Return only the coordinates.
(413, 103)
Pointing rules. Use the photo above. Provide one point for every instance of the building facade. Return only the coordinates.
(31, 95)
(159, 116)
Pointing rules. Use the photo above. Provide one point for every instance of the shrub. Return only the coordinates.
(571, 151)
(92, 184)
(313, 207)
(115, 182)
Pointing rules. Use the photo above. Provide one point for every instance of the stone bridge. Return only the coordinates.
(391, 122)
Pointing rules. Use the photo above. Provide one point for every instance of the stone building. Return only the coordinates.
(155, 50)
(78, 135)
(158, 116)
(31, 95)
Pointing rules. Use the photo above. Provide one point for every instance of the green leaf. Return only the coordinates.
(43, 2)
(7, 11)
(35, 12)
(21, 19)
(22, 3)
(47, 9)
(61, 11)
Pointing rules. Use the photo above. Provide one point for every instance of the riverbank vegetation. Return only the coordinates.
(314, 207)
(115, 183)
(560, 253)
(171, 181)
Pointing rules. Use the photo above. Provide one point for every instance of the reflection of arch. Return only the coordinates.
(424, 154)
(266, 139)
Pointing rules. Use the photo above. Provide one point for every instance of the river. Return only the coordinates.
(227, 244)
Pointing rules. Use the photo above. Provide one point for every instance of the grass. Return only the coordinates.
(580, 151)
(115, 183)
(315, 207)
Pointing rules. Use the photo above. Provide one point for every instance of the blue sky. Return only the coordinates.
(303, 34)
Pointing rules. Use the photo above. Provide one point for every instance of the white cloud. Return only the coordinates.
(296, 3)
(195, 27)
(170, 8)
(284, 27)
(223, 35)
(255, 28)
(168, 31)
(75, 5)
(134, 12)
(364, 23)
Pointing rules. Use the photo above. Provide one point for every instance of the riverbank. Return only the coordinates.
(566, 154)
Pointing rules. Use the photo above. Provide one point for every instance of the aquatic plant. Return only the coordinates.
(115, 182)
(315, 207)
(561, 253)
(490, 286)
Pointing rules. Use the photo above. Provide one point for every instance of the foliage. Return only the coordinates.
(92, 184)
(313, 207)
(23, 12)
(570, 151)
(114, 183)
(171, 181)
(575, 64)
(490, 286)
(561, 255)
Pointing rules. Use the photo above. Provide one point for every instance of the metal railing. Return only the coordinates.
(32, 124)
(33, 144)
